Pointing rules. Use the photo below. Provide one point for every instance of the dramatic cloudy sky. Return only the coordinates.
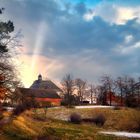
(87, 38)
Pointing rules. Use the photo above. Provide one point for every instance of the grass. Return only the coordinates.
(122, 119)
(28, 126)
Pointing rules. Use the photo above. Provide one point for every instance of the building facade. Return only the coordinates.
(45, 92)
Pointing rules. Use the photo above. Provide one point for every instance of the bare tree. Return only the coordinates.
(102, 94)
(108, 85)
(68, 87)
(120, 87)
(130, 98)
(138, 91)
(8, 72)
(128, 89)
(81, 88)
(93, 93)
(126, 84)
(91, 90)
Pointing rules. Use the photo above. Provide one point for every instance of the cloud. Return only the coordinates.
(130, 49)
(113, 13)
(128, 38)
(58, 40)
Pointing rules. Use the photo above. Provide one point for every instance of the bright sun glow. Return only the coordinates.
(30, 66)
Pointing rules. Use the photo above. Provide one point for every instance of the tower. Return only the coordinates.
(39, 77)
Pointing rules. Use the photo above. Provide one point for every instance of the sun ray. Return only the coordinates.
(38, 42)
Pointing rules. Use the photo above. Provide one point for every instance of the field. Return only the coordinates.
(51, 125)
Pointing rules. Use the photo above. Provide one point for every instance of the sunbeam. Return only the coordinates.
(38, 42)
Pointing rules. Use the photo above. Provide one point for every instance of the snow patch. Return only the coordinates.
(94, 106)
(122, 134)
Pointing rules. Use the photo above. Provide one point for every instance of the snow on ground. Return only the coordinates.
(123, 134)
(9, 108)
(84, 106)
(93, 106)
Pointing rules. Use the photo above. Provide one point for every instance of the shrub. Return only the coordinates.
(99, 120)
(75, 118)
(26, 105)
(19, 109)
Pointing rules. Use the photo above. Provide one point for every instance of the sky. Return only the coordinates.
(86, 38)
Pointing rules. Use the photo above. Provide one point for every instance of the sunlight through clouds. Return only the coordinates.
(39, 41)
(49, 68)
(113, 13)
(56, 33)
(125, 14)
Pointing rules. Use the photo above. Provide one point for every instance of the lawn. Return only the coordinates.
(122, 119)
(39, 123)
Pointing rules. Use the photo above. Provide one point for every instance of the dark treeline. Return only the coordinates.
(122, 91)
